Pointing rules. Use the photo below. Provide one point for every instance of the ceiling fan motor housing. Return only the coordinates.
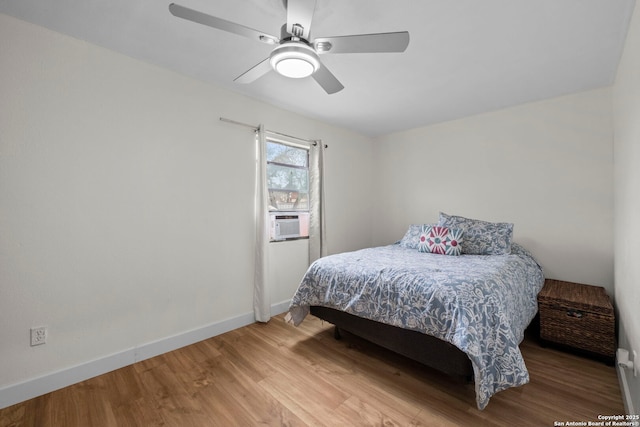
(296, 34)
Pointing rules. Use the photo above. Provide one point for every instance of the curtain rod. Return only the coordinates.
(255, 129)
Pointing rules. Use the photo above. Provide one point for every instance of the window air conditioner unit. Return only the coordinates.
(286, 227)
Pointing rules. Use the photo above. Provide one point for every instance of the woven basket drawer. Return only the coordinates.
(579, 316)
(576, 328)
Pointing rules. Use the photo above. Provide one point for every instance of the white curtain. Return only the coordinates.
(261, 298)
(317, 236)
(317, 240)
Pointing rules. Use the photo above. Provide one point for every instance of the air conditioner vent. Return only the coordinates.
(286, 227)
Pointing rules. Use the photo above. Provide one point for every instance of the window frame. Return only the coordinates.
(303, 214)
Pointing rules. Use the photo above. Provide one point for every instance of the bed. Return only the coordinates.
(464, 314)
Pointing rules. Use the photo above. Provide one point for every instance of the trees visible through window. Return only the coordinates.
(288, 186)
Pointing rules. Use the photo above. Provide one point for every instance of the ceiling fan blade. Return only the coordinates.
(254, 73)
(299, 15)
(363, 43)
(221, 24)
(327, 80)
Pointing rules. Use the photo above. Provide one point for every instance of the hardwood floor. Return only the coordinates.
(276, 374)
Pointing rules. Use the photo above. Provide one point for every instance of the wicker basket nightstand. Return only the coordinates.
(578, 316)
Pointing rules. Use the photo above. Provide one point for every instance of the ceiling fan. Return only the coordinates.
(295, 54)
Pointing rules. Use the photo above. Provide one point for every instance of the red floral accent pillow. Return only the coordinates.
(440, 240)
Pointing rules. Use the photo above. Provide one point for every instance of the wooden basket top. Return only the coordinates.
(578, 295)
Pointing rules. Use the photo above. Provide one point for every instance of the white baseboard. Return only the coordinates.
(16, 393)
(279, 308)
(624, 388)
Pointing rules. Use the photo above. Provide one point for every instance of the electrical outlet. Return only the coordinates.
(38, 335)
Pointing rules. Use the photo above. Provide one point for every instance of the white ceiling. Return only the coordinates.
(465, 56)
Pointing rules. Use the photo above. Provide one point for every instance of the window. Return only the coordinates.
(288, 186)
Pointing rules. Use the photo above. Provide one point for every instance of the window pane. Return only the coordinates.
(288, 201)
(287, 178)
(286, 154)
(288, 188)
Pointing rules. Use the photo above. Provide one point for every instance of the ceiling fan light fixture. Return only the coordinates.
(295, 60)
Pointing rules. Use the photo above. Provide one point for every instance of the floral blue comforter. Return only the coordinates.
(479, 303)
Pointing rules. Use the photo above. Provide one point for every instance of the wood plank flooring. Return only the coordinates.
(276, 374)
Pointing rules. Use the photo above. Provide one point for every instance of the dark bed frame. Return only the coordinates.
(428, 350)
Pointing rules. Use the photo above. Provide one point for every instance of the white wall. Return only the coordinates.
(545, 166)
(126, 206)
(627, 197)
